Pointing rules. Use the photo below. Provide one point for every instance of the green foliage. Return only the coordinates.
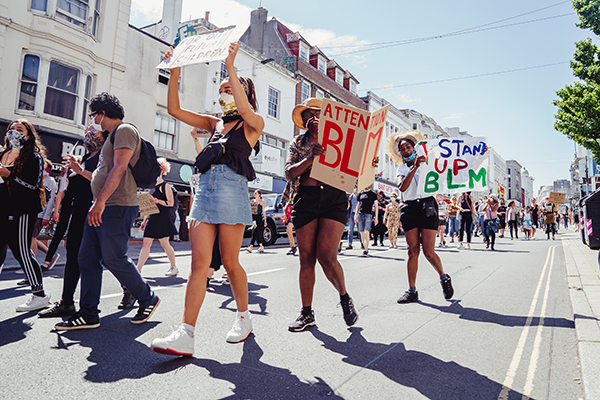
(578, 115)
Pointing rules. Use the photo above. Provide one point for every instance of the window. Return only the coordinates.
(74, 11)
(86, 99)
(224, 74)
(61, 92)
(352, 86)
(303, 51)
(273, 103)
(163, 76)
(96, 18)
(164, 132)
(339, 76)
(415, 126)
(40, 5)
(319, 94)
(29, 82)
(322, 65)
(304, 92)
(509, 171)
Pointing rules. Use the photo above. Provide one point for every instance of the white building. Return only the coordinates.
(527, 185)
(497, 174)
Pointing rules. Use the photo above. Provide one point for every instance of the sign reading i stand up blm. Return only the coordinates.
(201, 48)
(454, 166)
(350, 137)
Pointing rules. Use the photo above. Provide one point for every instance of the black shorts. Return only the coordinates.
(421, 213)
(323, 201)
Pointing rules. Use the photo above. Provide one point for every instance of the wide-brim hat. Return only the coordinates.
(310, 103)
(393, 141)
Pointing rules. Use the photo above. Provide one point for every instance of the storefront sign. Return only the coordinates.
(263, 182)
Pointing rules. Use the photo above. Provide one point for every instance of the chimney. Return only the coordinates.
(258, 23)
(206, 14)
(171, 18)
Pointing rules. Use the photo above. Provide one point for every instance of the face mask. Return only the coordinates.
(97, 127)
(92, 142)
(411, 157)
(227, 103)
(16, 139)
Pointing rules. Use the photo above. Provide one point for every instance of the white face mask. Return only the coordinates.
(227, 103)
(97, 127)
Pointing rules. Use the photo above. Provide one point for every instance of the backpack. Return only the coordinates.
(146, 170)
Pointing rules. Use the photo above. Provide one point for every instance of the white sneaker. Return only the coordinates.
(261, 249)
(460, 246)
(178, 343)
(173, 271)
(248, 249)
(468, 246)
(34, 303)
(242, 328)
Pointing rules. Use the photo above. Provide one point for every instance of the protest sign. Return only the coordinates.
(201, 48)
(557, 198)
(194, 181)
(350, 137)
(454, 166)
(147, 207)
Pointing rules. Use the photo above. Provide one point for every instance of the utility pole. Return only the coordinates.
(587, 177)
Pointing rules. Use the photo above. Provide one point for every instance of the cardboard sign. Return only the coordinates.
(350, 137)
(147, 207)
(454, 166)
(202, 48)
(557, 198)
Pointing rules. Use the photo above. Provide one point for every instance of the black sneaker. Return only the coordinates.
(447, 287)
(350, 314)
(144, 313)
(349, 247)
(302, 322)
(292, 252)
(24, 282)
(76, 322)
(128, 301)
(57, 310)
(409, 297)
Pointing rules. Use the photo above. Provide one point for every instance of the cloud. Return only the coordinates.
(455, 116)
(222, 13)
(406, 98)
(145, 12)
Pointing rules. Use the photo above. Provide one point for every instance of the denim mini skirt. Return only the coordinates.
(221, 198)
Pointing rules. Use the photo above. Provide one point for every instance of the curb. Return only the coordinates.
(583, 278)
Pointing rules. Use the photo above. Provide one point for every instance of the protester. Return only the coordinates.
(418, 214)
(549, 217)
(527, 222)
(511, 217)
(45, 216)
(289, 228)
(453, 219)
(490, 222)
(160, 226)
(352, 201)
(22, 165)
(535, 217)
(501, 218)
(221, 202)
(364, 216)
(79, 194)
(442, 211)
(466, 208)
(378, 230)
(392, 219)
(481, 216)
(110, 218)
(259, 217)
(319, 215)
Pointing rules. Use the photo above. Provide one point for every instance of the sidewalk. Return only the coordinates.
(583, 277)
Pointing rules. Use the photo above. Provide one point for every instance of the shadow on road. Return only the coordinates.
(14, 329)
(433, 378)
(479, 315)
(253, 297)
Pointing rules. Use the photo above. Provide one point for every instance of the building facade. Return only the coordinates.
(515, 190)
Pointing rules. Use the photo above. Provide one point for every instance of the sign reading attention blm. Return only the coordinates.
(351, 138)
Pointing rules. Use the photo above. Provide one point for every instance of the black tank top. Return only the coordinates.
(237, 151)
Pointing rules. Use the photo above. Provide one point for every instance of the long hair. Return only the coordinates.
(33, 144)
(249, 89)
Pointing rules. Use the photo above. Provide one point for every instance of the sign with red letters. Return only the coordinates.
(351, 138)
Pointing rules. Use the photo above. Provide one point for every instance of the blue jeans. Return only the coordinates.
(351, 229)
(453, 226)
(108, 244)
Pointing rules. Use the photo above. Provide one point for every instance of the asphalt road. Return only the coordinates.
(508, 333)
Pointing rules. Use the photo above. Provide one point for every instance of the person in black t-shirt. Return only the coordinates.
(379, 229)
(364, 217)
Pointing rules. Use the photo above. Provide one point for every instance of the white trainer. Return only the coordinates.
(178, 343)
(242, 328)
(35, 303)
(460, 246)
(173, 271)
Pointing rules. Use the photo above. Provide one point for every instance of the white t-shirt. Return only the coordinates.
(411, 192)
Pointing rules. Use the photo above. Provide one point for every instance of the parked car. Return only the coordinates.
(275, 226)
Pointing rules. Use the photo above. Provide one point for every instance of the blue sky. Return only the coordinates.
(514, 110)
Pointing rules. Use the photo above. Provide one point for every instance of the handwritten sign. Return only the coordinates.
(454, 166)
(557, 198)
(194, 181)
(201, 48)
(350, 137)
(147, 207)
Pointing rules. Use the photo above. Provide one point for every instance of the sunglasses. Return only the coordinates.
(308, 113)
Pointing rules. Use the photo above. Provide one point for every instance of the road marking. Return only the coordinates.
(516, 360)
(538, 336)
(264, 272)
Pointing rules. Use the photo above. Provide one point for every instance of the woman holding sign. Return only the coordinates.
(319, 215)
(221, 202)
(418, 214)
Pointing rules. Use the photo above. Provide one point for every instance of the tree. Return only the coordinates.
(578, 115)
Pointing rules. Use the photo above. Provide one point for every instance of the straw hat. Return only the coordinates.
(310, 103)
(393, 141)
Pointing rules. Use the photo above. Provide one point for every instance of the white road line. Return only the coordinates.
(516, 360)
(264, 272)
(538, 337)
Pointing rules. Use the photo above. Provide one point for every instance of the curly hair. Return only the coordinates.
(109, 104)
(33, 144)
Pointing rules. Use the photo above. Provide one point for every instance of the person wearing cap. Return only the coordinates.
(319, 216)
(418, 214)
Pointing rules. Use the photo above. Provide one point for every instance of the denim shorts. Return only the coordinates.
(364, 222)
(221, 198)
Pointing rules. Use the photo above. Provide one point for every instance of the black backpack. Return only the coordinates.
(146, 170)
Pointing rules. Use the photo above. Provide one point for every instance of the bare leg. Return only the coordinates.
(164, 242)
(144, 253)
(327, 240)
(428, 240)
(412, 265)
(306, 237)
(364, 235)
(230, 242)
(290, 234)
